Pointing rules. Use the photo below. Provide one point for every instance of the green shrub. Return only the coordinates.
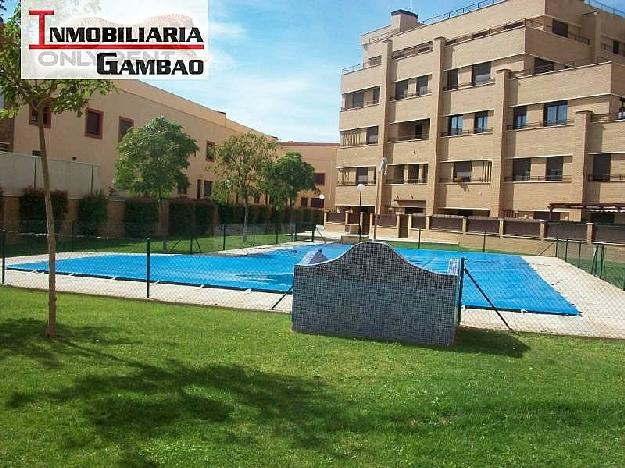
(204, 217)
(92, 214)
(32, 209)
(141, 217)
(181, 217)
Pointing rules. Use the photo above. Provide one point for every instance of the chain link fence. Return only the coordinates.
(564, 287)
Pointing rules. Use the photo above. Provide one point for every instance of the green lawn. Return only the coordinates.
(139, 384)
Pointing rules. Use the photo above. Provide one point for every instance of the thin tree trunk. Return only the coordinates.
(245, 221)
(51, 327)
(164, 226)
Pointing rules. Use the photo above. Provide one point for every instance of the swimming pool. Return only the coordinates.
(508, 280)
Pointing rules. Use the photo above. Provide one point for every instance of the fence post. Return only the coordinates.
(461, 286)
(3, 244)
(72, 238)
(148, 266)
(419, 242)
(223, 229)
(277, 233)
(484, 243)
(557, 247)
(314, 228)
(566, 251)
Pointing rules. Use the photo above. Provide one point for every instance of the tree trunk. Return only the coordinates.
(163, 225)
(245, 206)
(51, 327)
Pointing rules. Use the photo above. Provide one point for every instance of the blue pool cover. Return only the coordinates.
(507, 280)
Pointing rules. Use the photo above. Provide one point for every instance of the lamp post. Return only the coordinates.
(360, 188)
(378, 186)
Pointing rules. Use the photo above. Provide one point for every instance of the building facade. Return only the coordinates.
(83, 149)
(509, 108)
(322, 156)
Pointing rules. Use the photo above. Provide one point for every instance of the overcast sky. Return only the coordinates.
(276, 63)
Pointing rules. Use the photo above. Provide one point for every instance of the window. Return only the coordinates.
(183, 188)
(376, 95)
(198, 189)
(413, 174)
(372, 135)
(455, 124)
(47, 117)
(616, 47)
(421, 131)
(481, 73)
(256, 199)
(520, 117)
(401, 90)
(543, 66)
(452, 79)
(477, 35)
(422, 85)
(93, 123)
(124, 127)
(521, 169)
(424, 174)
(480, 124)
(208, 188)
(555, 169)
(320, 179)
(304, 202)
(555, 113)
(358, 99)
(210, 151)
(317, 203)
(36, 153)
(621, 111)
(602, 167)
(463, 171)
(362, 175)
(560, 28)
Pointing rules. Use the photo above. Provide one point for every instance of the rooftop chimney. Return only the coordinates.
(402, 20)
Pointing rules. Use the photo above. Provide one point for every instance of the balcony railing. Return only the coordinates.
(456, 132)
(371, 63)
(471, 84)
(361, 106)
(545, 178)
(464, 180)
(404, 181)
(606, 178)
(412, 51)
(402, 138)
(607, 8)
(543, 124)
(421, 93)
(352, 183)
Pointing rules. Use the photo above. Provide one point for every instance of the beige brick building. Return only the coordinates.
(497, 110)
(83, 149)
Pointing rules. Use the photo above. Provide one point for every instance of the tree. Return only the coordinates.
(240, 166)
(286, 177)
(43, 97)
(152, 160)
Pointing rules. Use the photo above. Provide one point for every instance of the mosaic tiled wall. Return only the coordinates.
(372, 292)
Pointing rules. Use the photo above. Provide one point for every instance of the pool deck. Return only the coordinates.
(602, 305)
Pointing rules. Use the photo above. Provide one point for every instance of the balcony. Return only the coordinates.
(536, 196)
(412, 105)
(538, 139)
(546, 178)
(347, 195)
(471, 194)
(605, 188)
(363, 76)
(407, 194)
(364, 155)
(466, 98)
(468, 145)
(588, 80)
(607, 133)
(361, 117)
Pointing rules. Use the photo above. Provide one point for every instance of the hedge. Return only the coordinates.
(32, 209)
(141, 217)
(190, 217)
(92, 214)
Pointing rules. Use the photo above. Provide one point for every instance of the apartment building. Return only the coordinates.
(322, 156)
(83, 149)
(506, 108)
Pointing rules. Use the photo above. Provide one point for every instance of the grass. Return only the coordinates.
(141, 384)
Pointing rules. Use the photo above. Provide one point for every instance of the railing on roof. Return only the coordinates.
(371, 63)
(436, 19)
(606, 8)
(606, 118)
(462, 11)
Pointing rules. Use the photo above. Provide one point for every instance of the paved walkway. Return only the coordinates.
(602, 305)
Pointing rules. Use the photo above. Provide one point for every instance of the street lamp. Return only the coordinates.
(360, 188)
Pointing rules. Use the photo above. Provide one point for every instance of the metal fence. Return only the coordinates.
(254, 270)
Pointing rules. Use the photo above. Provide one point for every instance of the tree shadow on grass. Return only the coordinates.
(176, 400)
(25, 338)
